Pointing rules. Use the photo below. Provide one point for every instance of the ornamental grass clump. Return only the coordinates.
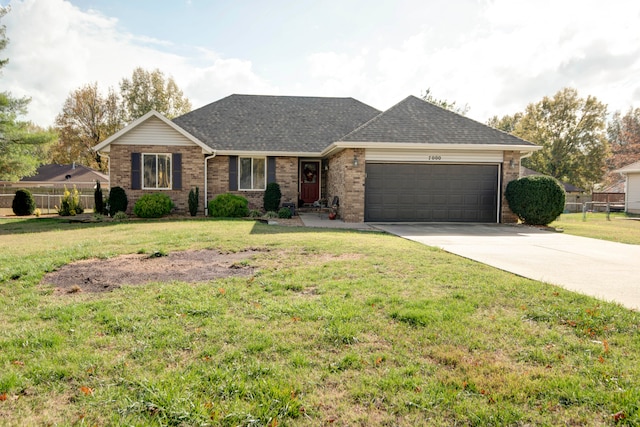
(70, 203)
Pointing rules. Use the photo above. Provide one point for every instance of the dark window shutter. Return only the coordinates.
(176, 164)
(136, 176)
(233, 173)
(271, 170)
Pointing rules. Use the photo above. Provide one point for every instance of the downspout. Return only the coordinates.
(206, 182)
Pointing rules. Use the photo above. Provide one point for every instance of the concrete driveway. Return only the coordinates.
(606, 270)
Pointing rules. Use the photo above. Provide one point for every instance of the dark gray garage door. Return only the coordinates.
(428, 192)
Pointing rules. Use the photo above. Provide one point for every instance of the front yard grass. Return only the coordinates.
(334, 328)
(620, 228)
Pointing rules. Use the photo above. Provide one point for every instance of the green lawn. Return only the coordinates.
(618, 228)
(334, 328)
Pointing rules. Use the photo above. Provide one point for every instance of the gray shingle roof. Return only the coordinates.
(416, 121)
(59, 173)
(275, 123)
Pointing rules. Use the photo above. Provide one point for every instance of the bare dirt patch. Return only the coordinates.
(103, 275)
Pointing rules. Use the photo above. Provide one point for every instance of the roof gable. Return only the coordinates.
(292, 124)
(155, 119)
(414, 120)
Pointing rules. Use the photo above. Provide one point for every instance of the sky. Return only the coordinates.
(496, 56)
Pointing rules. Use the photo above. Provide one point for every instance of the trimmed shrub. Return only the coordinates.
(194, 196)
(272, 196)
(536, 200)
(23, 203)
(284, 213)
(117, 200)
(70, 204)
(98, 200)
(229, 206)
(153, 206)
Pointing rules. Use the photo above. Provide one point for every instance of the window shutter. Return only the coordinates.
(233, 173)
(136, 177)
(271, 170)
(176, 164)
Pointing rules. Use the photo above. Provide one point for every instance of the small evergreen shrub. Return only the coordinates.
(23, 203)
(153, 206)
(98, 200)
(536, 200)
(70, 203)
(229, 206)
(272, 196)
(194, 196)
(117, 200)
(284, 213)
(120, 216)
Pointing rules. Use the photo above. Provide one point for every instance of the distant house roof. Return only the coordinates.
(633, 167)
(66, 173)
(275, 123)
(569, 188)
(414, 120)
(617, 187)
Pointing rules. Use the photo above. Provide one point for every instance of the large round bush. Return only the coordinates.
(23, 203)
(536, 200)
(229, 206)
(153, 206)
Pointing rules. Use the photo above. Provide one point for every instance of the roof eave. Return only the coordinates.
(341, 145)
(268, 153)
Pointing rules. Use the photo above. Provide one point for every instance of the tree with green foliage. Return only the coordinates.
(86, 119)
(150, 90)
(23, 146)
(447, 105)
(571, 131)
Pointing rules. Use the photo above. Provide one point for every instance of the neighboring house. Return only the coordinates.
(632, 187)
(57, 176)
(412, 162)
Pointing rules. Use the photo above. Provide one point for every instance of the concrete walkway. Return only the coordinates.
(606, 270)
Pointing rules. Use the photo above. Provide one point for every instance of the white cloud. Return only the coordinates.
(55, 48)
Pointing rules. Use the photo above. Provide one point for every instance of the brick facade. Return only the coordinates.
(192, 172)
(286, 176)
(509, 173)
(346, 181)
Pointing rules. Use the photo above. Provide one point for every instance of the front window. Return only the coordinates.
(252, 173)
(157, 171)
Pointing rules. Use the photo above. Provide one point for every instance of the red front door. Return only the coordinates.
(309, 181)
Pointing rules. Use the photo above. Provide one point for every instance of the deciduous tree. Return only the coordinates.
(448, 105)
(86, 119)
(150, 90)
(571, 131)
(624, 138)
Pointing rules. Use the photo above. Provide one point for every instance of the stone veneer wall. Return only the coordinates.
(192, 171)
(286, 176)
(347, 182)
(509, 174)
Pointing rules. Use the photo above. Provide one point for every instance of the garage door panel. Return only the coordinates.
(428, 192)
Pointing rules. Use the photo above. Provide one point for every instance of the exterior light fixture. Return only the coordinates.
(355, 160)
(512, 163)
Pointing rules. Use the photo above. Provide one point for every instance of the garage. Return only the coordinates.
(409, 192)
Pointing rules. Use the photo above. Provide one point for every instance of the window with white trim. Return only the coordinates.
(252, 173)
(156, 171)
